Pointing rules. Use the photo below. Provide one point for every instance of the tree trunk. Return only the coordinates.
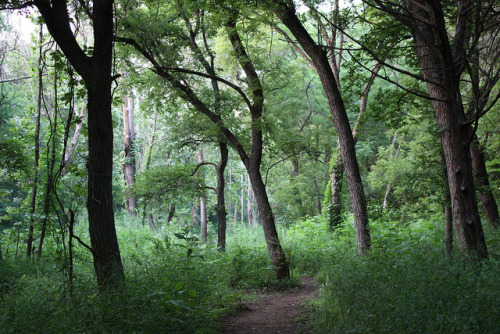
(440, 71)
(253, 162)
(129, 155)
(318, 56)
(336, 178)
(171, 213)
(147, 162)
(193, 214)
(221, 204)
(203, 218)
(274, 248)
(151, 221)
(203, 203)
(50, 169)
(96, 72)
(228, 193)
(337, 170)
(488, 202)
(107, 260)
(249, 205)
(448, 217)
(29, 242)
(394, 154)
(242, 201)
(76, 136)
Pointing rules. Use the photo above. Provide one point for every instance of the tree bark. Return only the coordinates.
(221, 204)
(76, 136)
(336, 178)
(250, 217)
(203, 203)
(242, 201)
(252, 163)
(147, 161)
(107, 260)
(337, 170)
(394, 154)
(490, 207)
(171, 213)
(129, 155)
(448, 216)
(437, 61)
(287, 15)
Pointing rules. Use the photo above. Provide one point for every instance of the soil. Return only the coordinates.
(276, 313)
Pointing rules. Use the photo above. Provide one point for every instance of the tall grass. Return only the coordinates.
(178, 285)
(407, 285)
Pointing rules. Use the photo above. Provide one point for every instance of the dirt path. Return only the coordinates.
(276, 313)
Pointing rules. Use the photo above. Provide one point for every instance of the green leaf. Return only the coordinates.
(179, 286)
(180, 236)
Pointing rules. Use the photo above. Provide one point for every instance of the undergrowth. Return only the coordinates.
(408, 285)
(176, 284)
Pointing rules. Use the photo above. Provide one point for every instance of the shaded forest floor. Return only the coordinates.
(279, 312)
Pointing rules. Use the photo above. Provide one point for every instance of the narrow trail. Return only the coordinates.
(276, 313)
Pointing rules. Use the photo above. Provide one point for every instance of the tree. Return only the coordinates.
(203, 202)
(285, 10)
(29, 242)
(96, 71)
(443, 60)
(129, 154)
(251, 157)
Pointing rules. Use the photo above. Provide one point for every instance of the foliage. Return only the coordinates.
(169, 184)
(407, 285)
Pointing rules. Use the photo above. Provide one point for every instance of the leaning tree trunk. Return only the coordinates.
(440, 71)
(319, 58)
(253, 162)
(490, 207)
(274, 248)
(337, 170)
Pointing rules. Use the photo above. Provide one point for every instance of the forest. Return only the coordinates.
(164, 163)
